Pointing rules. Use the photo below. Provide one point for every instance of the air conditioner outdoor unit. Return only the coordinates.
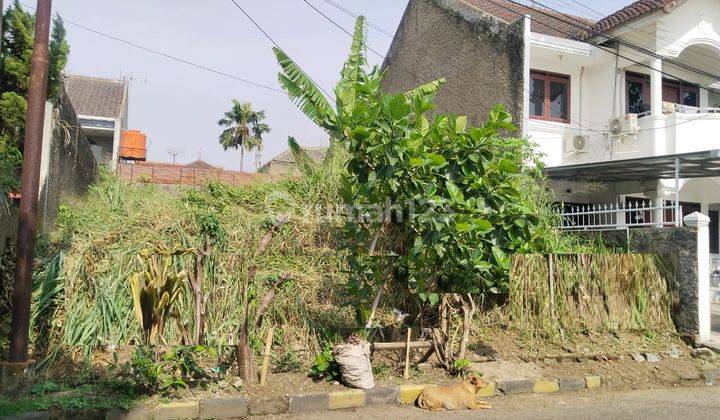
(580, 143)
(624, 125)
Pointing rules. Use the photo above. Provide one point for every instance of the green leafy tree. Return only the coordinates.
(59, 52)
(437, 205)
(15, 55)
(244, 129)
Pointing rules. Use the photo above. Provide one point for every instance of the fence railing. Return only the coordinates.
(687, 109)
(611, 216)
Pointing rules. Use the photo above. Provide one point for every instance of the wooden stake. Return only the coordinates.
(406, 375)
(266, 356)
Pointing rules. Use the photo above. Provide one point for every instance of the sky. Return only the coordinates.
(178, 105)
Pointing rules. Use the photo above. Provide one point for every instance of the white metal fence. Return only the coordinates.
(611, 216)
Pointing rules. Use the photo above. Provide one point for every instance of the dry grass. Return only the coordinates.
(100, 236)
(607, 292)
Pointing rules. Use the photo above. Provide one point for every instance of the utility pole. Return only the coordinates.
(2, 14)
(27, 220)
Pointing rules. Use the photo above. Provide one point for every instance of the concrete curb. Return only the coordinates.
(239, 407)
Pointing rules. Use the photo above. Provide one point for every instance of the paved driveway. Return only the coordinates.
(671, 403)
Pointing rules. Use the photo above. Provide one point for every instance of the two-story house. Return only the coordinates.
(625, 110)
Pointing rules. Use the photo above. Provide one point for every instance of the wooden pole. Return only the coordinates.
(266, 356)
(406, 375)
(551, 277)
(30, 186)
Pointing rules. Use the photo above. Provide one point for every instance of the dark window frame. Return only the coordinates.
(644, 79)
(549, 77)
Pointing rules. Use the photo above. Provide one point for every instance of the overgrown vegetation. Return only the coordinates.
(407, 213)
(148, 372)
(83, 300)
(437, 206)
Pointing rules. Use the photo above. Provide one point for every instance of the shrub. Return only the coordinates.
(325, 366)
(145, 374)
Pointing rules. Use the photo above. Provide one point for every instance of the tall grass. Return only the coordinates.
(97, 239)
(606, 292)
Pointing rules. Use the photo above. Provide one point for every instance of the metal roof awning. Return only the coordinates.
(702, 164)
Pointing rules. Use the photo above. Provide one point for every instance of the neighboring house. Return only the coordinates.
(101, 106)
(284, 163)
(592, 95)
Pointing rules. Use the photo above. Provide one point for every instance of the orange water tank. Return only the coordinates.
(133, 145)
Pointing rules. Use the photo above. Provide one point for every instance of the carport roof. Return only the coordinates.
(702, 164)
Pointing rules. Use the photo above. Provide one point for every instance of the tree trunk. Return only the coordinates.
(242, 159)
(246, 361)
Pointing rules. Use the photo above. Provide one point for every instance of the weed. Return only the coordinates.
(461, 367)
(288, 362)
(325, 366)
(382, 370)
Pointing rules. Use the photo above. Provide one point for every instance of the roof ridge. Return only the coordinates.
(106, 79)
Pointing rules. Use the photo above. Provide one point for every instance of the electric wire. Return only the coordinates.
(168, 56)
(535, 121)
(257, 25)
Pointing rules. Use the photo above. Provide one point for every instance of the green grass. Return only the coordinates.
(86, 398)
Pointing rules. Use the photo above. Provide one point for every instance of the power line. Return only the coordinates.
(355, 15)
(535, 121)
(168, 56)
(635, 29)
(337, 25)
(257, 25)
(627, 43)
(597, 46)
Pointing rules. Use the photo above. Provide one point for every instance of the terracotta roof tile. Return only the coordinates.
(94, 96)
(632, 11)
(545, 21)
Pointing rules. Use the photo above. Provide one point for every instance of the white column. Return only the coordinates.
(46, 145)
(116, 144)
(526, 76)
(656, 107)
(656, 200)
(701, 223)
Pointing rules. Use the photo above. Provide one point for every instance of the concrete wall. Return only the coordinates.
(481, 58)
(679, 247)
(71, 164)
(67, 168)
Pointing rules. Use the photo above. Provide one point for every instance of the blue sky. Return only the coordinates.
(178, 106)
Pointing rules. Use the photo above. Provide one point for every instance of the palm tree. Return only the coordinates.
(243, 129)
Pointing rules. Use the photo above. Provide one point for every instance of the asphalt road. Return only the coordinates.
(670, 403)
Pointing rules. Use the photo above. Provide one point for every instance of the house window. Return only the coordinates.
(549, 96)
(637, 89)
(638, 93)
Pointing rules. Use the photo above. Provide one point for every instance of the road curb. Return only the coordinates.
(241, 407)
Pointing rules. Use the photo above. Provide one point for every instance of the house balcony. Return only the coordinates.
(679, 129)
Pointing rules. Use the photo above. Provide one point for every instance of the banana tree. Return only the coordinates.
(345, 121)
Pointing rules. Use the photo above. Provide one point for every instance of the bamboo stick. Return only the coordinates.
(266, 356)
(401, 345)
(406, 375)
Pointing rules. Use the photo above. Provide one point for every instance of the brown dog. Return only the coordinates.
(453, 397)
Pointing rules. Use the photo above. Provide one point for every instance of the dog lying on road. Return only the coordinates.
(453, 397)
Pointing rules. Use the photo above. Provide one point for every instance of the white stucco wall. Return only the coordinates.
(693, 23)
